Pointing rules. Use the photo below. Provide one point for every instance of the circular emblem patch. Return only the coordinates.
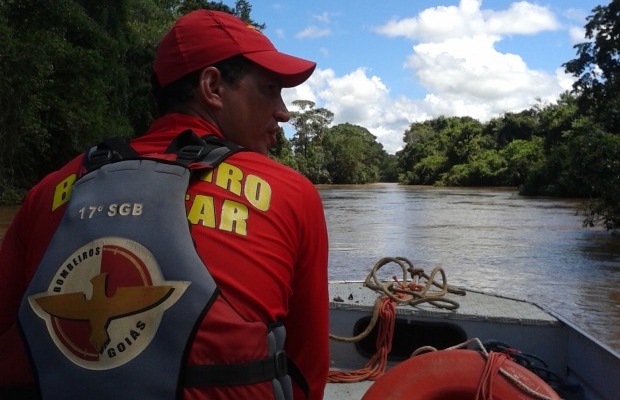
(105, 302)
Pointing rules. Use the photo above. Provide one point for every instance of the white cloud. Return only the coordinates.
(361, 100)
(455, 58)
(279, 32)
(470, 71)
(577, 34)
(564, 79)
(442, 23)
(521, 18)
(323, 17)
(313, 32)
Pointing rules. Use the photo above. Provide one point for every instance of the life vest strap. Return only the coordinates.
(25, 392)
(208, 149)
(267, 369)
(114, 149)
(263, 370)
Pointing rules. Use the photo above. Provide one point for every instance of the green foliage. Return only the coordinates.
(388, 168)
(283, 151)
(597, 67)
(74, 72)
(353, 155)
(310, 126)
(513, 126)
(425, 172)
(444, 151)
(485, 169)
(595, 163)
(341, 154)
(68, 93)
(521, 157)
(556, 119)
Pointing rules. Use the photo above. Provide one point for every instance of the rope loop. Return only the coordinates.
(414, 291)
(406, 291)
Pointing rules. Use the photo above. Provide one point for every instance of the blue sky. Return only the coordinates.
(385, 64)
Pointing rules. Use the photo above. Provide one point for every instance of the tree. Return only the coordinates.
(513, 126)
(555, 119)
(521, 157)
(283, 151)
(597, 68)
(595, 165)
(464, 139)
(423, 158)
(310, 125)
(444, 151)
(353, 155)
(68, 93)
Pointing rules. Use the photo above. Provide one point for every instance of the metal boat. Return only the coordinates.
(574, 363)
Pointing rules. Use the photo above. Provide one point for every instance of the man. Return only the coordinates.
(258, 226)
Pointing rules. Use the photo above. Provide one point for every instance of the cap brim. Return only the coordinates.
(292, 70)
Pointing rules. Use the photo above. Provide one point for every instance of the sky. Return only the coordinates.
(386, 64)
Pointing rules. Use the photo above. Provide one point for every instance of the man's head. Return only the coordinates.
(203, 38)
(215, 66)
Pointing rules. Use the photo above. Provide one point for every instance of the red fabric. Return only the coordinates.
(202, 38)
(271, 266)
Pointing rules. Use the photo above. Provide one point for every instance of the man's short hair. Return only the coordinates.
(178, 93)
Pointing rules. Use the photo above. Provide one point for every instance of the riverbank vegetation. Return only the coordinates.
(73, 72)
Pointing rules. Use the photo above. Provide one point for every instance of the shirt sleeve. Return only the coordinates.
(21, 251)
(14, 368)
(307, 322)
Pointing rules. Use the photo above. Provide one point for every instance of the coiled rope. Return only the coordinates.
(414, 291)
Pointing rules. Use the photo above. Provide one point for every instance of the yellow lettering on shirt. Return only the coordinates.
(229, 177)
(234, 214)
(207, 176)
(258, 192)
(62, 192)
(202, 211)
(234, 217)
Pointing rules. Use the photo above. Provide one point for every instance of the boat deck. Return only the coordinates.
(473, 306)
(569, 352)
(479, 315)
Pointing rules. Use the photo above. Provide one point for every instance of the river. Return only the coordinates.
(485, 239)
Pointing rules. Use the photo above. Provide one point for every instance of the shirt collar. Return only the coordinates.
(177, 123)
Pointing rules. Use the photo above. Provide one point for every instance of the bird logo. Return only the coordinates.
(101, 309)
(105, 302)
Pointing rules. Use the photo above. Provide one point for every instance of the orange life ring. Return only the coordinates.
(455, 375)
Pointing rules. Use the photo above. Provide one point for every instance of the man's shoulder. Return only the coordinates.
(261, 162)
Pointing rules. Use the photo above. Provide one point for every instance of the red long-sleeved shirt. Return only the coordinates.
(272, 268)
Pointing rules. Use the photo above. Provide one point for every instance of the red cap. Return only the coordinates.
(202, 38)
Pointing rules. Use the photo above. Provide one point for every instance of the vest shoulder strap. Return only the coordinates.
(186, 149)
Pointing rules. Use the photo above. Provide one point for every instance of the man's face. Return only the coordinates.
(252, 109)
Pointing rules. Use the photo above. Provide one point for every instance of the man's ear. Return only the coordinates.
(210, 87)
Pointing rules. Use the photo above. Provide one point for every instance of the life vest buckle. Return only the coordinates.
(98, 157)
(280, 362)
(190, 153)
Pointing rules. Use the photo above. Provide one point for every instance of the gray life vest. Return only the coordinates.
(116, 301)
